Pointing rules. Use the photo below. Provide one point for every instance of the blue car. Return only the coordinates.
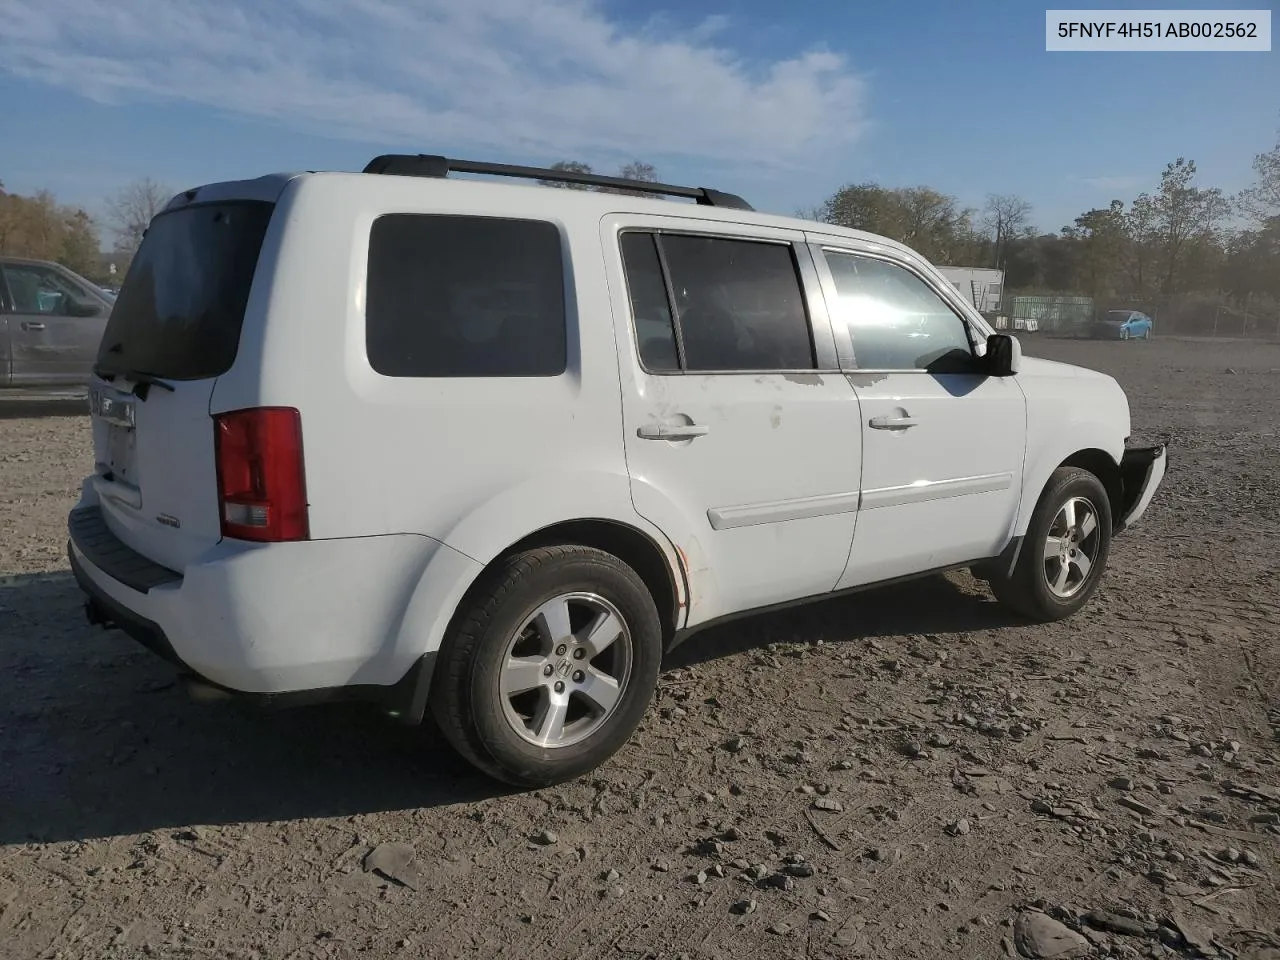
(1123, 325)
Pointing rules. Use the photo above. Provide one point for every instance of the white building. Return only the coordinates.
(981, 286)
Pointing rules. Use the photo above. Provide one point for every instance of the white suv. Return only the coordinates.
(489, 448)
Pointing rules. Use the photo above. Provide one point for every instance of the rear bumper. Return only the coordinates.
(1142, 470)
(296, 622)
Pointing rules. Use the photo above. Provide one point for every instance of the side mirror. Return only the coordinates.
(82, 308)
(1004, 355)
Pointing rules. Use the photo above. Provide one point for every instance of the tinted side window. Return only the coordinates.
(42, 290)
(465, 297)
(739, 304)
(655, 333)
(896, 320)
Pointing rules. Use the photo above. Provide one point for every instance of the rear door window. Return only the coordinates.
(458, 296)
(738, 304)
(182, 305)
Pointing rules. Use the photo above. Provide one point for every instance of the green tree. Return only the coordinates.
(929, 222)
(635, 170)
(1252, 261)
(1262, 200)
(80, 243)
(1174, 226)
(568, 166)
(1098, 239)
(41, 228)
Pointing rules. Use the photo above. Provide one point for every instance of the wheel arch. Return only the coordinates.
(1106, 469)
(445, 591)
(1088, 441)
(629, 544)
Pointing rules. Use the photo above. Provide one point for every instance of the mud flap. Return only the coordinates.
(1001, 566)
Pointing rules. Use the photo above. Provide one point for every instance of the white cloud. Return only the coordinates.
(555, 78)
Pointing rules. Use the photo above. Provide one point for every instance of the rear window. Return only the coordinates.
(180, 310)
(457, 296)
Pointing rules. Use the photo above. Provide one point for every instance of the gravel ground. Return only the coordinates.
(905, 773)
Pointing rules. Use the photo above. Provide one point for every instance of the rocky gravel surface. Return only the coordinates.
(905, 773)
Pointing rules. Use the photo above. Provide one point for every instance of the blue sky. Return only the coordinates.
(779, 102)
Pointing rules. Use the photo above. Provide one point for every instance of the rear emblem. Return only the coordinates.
(168, 521)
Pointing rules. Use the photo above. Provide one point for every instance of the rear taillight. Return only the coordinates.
(262, 492)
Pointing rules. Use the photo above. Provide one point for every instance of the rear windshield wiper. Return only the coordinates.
(143, 381)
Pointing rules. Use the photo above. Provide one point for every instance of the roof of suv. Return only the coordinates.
(654, 199)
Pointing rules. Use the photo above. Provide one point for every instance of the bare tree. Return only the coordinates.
(1003, 217)
(130, 212)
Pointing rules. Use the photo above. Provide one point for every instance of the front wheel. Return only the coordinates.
(550, 670)
(1065, 549)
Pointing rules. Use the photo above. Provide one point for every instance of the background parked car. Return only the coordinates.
(1123, 325)
(51, 321)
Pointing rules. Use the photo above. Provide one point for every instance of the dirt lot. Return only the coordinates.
(907, 773)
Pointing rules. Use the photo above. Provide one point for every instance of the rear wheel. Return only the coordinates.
(551, 668)
(1064, 552)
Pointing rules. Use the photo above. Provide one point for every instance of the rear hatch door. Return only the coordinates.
(174, 329)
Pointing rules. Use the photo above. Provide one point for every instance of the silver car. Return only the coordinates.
(51, 323)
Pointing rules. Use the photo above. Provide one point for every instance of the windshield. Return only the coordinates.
(179, 312)
(1118, 316)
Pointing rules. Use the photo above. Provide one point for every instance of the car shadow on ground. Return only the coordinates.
(936, 605)
(99, 737)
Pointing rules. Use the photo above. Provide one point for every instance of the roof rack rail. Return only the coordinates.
(424, 165)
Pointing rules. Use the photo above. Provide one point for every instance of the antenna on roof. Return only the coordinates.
(423, 165)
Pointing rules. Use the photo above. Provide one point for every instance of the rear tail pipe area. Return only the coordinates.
(97, 615)
(196, 687)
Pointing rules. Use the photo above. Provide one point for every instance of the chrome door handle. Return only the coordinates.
(892, 423)
(684, 431)
(32, 325)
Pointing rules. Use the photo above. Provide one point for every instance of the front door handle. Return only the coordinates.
(683, 431)
(32, 325)
(892, 423)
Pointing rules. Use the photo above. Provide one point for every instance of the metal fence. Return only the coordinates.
(1065, 316)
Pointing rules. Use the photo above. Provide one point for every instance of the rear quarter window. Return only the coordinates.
(458, 296)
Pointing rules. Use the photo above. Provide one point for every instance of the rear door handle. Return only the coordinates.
(32, 325)
(892, 423)
(684, 431)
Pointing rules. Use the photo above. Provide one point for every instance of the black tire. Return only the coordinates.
(466, 699)
(1027, 589)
